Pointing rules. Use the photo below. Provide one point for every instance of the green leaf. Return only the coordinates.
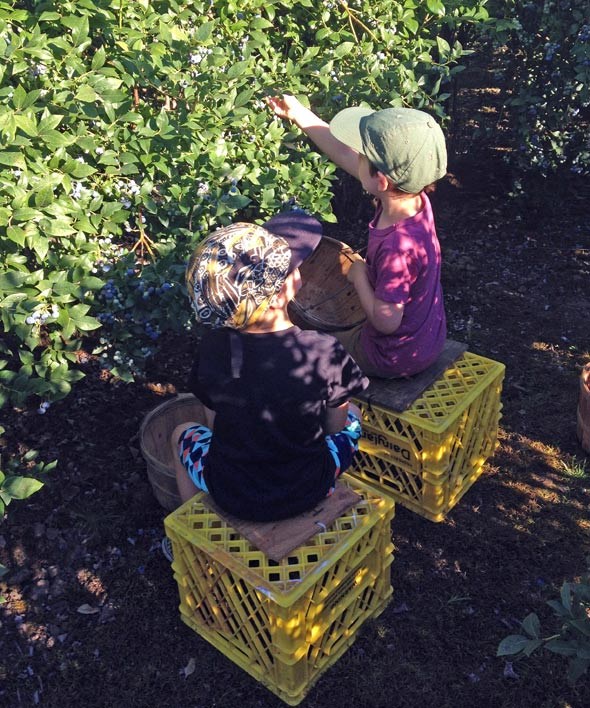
(78, 310)
(31, 455)
(582, 625)
(79, 26)
(72, 375)
(44, 197)
(98, 59)
(531, 625)
(16, 234)
(86, 94)
(91, 283)
(124, 375)
(260, 23)
(243, 97)
(19, 97)
(576, 669)
(443, 47)
(11, 301)
(13, 159)
(531, 646)
(55, 140)
(58, 228)
(26, 214)
(78, 169)
(343, 49)
(32, 96)
(21, 487)
(84, 224)
(26, 122)
(49, 16)
(12, 280)
(561, 646)
(566, 597)
(237, 69)
(204, 31)
(48, 122)
(436, 7)
(86, 324)
(321, 34)
(39, 244)
(558, 608)
(513, 644)
(67, 326)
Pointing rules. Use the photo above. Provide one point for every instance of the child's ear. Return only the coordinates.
(383, 183)
(289, 290)
(281, 297)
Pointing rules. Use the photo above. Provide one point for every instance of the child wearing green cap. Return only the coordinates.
(397, 154)
(280, 428)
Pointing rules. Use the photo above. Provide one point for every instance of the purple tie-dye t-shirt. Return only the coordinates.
(404, 264)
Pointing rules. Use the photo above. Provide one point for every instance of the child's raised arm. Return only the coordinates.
(289, 108)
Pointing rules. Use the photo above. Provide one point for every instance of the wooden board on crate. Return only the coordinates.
(276, 539)
(399, 394)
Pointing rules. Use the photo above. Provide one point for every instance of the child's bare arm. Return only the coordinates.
(289, 108)
(386, 317)
(336, 419)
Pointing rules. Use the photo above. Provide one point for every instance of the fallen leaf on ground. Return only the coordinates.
(189, 668)
(509, 672)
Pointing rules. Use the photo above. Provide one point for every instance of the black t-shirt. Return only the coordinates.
(268, 459)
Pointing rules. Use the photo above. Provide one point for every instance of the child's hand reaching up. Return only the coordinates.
(290, 108)
(285, 106)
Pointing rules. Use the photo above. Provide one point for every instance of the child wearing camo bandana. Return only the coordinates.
(280, 428)
(397, 154)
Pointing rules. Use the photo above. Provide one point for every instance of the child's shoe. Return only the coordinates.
(167, 549)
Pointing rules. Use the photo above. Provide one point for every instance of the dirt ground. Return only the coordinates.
(92, 615)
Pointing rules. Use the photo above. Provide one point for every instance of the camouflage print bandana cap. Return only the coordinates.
(234, 273)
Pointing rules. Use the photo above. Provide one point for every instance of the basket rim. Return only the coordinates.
(321, 323)
(179, 398)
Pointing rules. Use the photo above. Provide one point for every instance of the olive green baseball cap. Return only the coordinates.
(405, 144)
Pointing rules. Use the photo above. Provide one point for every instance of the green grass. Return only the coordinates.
(575, 467)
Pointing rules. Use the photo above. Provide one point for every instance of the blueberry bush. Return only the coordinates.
(128, 129)
(20, 477)
(547, 72)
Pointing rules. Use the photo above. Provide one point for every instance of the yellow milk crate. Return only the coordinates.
(427, 457)
(285, 623)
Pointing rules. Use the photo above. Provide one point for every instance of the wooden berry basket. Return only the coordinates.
(584, 409)
(154, 436)
(326, 300)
